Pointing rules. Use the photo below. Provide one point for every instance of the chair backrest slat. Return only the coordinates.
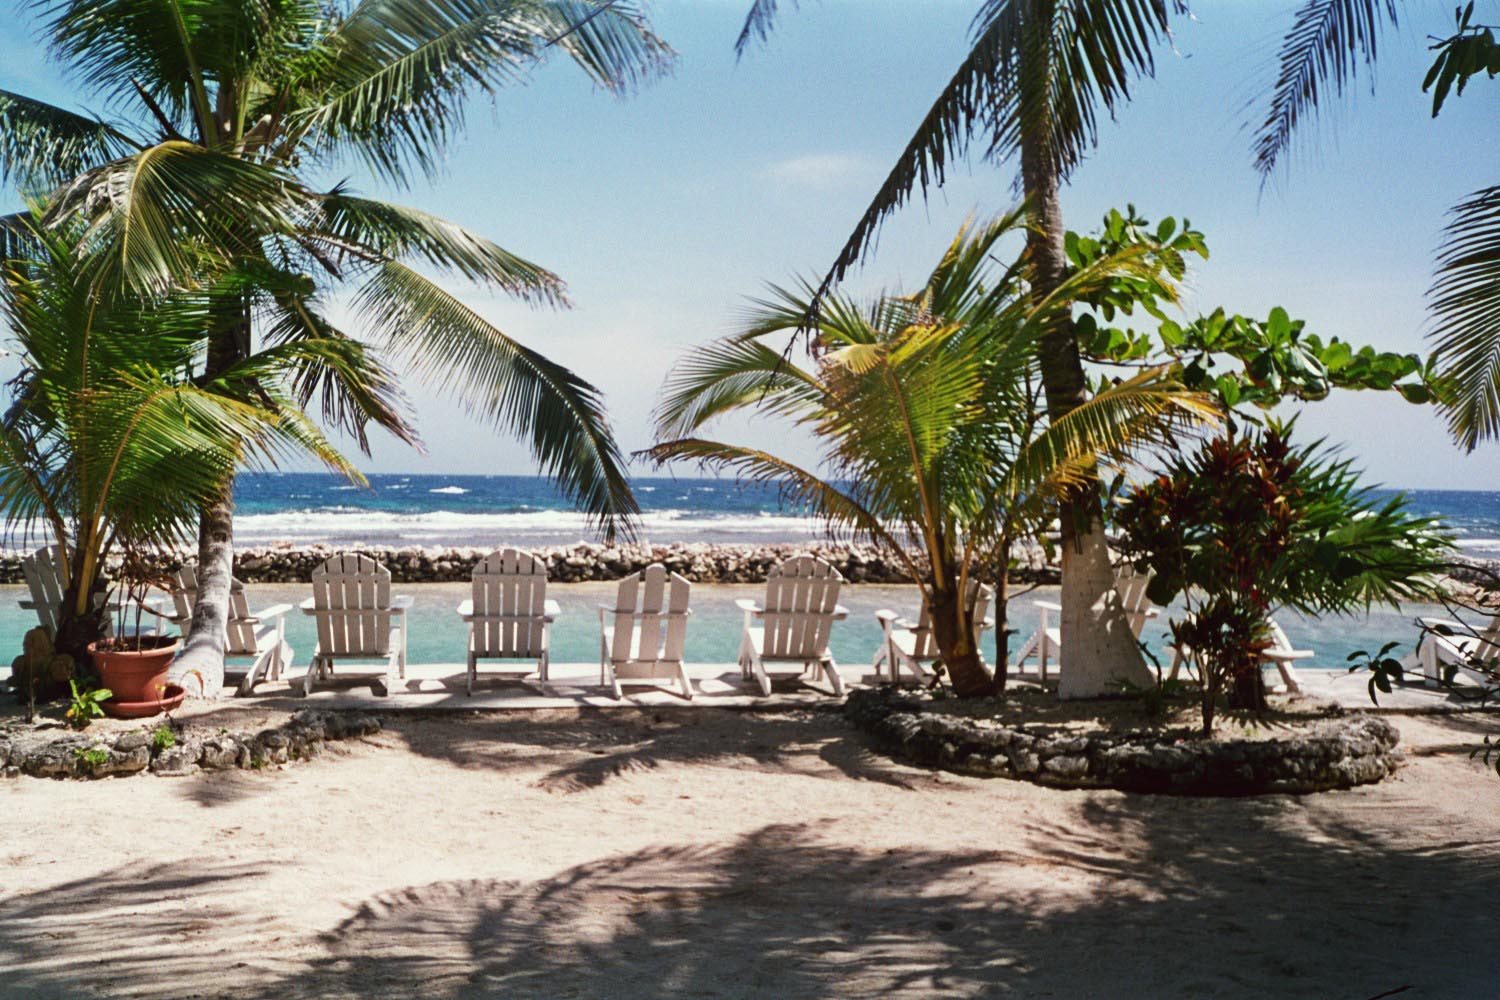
(976, 607)
(650, 618)
(359, 589)
(510, 596)
(45, 571)
(239, 631)
(1134, 602)
(801, 597)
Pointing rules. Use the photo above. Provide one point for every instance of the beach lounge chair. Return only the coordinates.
(1446, 643)
(259, 637)
(1046, 642)
(912, 646)
(509, 615)
(357, 619)
(1279, 654)
(794, 624)
(641, 638)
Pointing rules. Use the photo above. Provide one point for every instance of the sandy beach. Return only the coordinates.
(735, 854)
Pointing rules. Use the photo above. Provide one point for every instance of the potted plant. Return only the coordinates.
(133, 662)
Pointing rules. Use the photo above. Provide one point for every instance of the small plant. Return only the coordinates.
(87, 704)
(91, 757)
(163, 738)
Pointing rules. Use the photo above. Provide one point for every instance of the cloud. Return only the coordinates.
(819, 170)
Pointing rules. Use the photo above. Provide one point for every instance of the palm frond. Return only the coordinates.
(126, 48)
(156, 218)
(453, 348)
(1465, 300)
(392, 88)
(403, 233)
(42, 145)
(800, 487)
(759, 21)
(1330, 41)
(1147, 409)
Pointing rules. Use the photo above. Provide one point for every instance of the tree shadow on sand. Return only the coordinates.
(584, 751)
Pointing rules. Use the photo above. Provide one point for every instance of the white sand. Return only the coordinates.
(720, 854)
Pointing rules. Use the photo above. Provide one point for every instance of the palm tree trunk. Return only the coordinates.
(955, 644)
(201, 661)
(1098, 644)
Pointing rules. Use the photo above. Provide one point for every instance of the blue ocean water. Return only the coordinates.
(484, 510)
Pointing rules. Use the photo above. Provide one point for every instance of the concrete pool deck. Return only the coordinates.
(440, 687)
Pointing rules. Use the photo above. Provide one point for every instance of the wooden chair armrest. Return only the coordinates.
(1458, 628)
(274, 611)
(1287, 655)
(1049, 606)
(885, 616)
(551, 608)
(840, 612)
(402, 602)
(466, 608)
(748, 606)
(308, 606)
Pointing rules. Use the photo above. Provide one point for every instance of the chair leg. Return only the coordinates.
(473, 671)
(758, 667)
(682, 678)
(835, 679)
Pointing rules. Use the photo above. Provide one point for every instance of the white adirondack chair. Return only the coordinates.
(1046, 642)
(1436, 652)
(357, 619)
(259, 637)
(794, 624)
(1279, 654)
(509, 616)
(912, 646)
(46, 572)
(641, 638)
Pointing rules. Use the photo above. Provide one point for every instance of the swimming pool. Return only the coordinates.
(437, 635)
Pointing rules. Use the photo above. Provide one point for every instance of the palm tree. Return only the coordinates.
(109, 441)
(1037, 76)
(925, 407)
(227, 109)
(1329, 44)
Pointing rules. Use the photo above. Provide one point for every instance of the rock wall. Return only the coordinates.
(1340, 753)
(192, 748)
(699, 562)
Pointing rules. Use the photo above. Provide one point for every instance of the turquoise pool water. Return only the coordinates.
(438, 636)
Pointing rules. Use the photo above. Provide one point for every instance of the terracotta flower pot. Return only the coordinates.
(134, 675)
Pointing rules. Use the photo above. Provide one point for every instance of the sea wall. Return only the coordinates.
(700, 562)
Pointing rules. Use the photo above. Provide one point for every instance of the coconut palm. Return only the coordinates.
(223, 113)
(1330, 43)
(1038, 75)
(110, 441)
(924, 408)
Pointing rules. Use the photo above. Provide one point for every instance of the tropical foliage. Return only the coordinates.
(114, 437)
(926, 409)
(224, 117)
(1247, 524)
(1329, 45)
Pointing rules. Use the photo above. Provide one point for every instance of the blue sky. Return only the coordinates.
(665, 211)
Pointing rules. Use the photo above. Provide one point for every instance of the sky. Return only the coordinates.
(666, 211)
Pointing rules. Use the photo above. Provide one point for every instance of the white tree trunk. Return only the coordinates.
(199, 668)
(1099, 650)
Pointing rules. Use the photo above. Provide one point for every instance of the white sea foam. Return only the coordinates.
(344, 524)
(451, 490)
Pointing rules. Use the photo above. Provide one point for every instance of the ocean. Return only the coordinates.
(303, 508)
(526, 510)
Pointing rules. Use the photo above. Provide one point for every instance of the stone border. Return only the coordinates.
(1347, 751)
(701, 562)
(78, 755)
